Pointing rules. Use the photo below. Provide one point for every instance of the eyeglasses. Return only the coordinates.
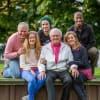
(55, 36)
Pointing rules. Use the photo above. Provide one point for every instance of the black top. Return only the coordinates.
(80, 55)
(86, 36)
(43, 38)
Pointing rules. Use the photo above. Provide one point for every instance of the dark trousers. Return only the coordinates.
(78, 85)
(93, 56)
(67, 82)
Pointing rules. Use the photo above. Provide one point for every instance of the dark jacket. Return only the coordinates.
(86, 36)
(43, 38)
(80, 55)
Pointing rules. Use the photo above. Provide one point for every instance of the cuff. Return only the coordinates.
(74, 65)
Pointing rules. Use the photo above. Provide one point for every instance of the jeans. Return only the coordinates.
(34, 84)
(66, 79)
(78, 85)
(12, 69)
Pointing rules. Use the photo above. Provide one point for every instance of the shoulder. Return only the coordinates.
(88, 26)
(13, 36)
(47, 46)
(65, 46)
(40, 32)
(71, 28)
(82, 48)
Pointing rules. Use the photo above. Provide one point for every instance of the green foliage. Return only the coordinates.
(60, 11)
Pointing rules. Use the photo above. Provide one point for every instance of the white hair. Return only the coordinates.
(23, 24)
(55, 29)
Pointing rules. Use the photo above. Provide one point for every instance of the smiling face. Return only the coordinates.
(55, 38)
(46, 27)
(78, 18)
(32, 40)
(22, 32)
(71, 40)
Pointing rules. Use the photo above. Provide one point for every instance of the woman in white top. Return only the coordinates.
(28, 64)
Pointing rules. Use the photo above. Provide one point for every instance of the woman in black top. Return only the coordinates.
(81, 59)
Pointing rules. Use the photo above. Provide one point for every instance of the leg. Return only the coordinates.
(28, 76)
(39, 83)
(78, 85)
(13, 69)
(93, 55)
(67, 81)
(50, 76)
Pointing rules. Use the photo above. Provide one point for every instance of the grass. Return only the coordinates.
(1, 68)
(97, 71)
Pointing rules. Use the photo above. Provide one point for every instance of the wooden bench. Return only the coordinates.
(15, 89)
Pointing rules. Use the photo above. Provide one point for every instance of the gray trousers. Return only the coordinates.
(67, 82)
(93, 55)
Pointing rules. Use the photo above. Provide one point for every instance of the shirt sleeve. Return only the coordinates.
(91, 39)
(9, 54)
(70, 60)
(41, 67)
(23, 63)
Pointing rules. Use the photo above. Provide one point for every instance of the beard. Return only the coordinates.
(79, 26)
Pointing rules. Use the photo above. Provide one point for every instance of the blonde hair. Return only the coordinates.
(37, 45)
(75, 36)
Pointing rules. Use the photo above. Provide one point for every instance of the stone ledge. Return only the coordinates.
(19, 81)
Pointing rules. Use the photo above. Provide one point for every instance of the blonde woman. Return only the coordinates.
(28, 64)
(81, 59)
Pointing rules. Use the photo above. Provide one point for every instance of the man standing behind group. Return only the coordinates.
(45, 23)
(85, 35)
(13, 50)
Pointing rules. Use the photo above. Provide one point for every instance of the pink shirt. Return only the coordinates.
(56, 50)
(13, 45)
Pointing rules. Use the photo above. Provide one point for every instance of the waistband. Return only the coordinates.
(32, 68)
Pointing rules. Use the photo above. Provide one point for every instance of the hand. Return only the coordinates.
(21, 51)
(33, 73)
(41, 75)
(67, 66)
(75, 72)
(43, 61)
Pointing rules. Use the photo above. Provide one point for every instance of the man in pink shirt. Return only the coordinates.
(14, 49)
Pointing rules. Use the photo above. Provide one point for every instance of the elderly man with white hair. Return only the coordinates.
(57, 55)
(14, 49)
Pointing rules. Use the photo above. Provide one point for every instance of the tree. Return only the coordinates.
(60, 11)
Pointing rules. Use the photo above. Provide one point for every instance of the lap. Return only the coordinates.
(65, 76)
(27, 75)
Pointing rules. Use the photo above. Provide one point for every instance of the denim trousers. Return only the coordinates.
(34, 84)
(78, 85)
(65, 77)
(12, 69)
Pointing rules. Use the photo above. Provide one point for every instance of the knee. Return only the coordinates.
(78, 80)
(17, 74)
(93, 51)
(32, 81)
(49, 80)
(68, 81)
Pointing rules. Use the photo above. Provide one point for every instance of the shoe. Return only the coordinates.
(94, 77)
(25, 98)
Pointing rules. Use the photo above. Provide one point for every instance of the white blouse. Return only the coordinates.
(27, 62)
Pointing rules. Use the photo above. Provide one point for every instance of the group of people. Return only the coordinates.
(43, 57)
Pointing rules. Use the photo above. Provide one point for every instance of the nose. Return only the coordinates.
(45, 26)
